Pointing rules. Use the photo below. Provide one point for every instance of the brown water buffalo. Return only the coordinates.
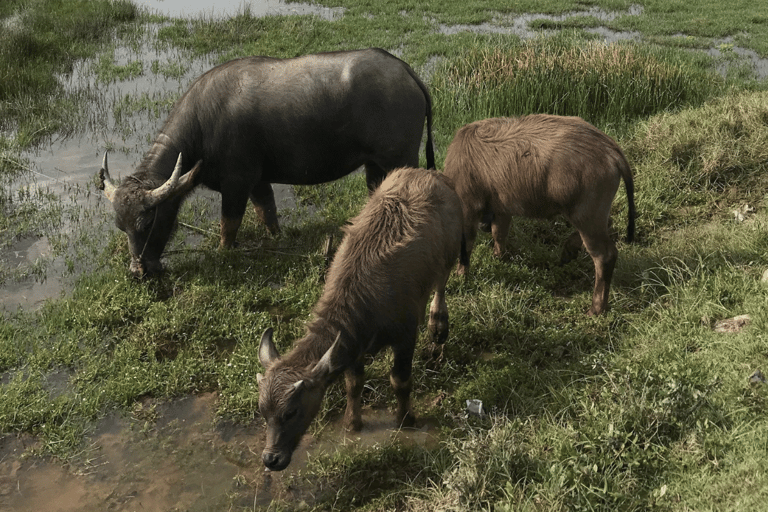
(402, 246)
(540, 166)
(255, 121)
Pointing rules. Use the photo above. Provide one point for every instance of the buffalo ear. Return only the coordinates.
(267, 351)
(328, 364)
(259, 378)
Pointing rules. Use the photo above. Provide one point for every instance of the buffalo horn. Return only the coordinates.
(326, 366)
(267, 351)
(107, 185)
(166, 190)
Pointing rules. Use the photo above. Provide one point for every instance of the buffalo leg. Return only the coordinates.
(374, 175)
(353, 417)
(499, 232)
(263, 199)
(571, 248)
(233, 203)
(471, 220)
(438, 321)
(486, 221)
(438, 314)
(604, 254)
(400, 376)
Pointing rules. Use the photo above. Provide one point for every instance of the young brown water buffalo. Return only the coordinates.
(255, 121)
(540, 166)
(402, 246)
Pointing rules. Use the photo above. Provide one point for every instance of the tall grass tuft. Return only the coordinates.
(606, 84)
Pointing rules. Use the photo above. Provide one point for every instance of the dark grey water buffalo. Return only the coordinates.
(259, 120)
(540, 166)
(402, 246)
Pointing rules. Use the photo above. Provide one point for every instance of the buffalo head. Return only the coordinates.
(290, 398)
(146, 213)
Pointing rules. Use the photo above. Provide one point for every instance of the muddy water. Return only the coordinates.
(171, 456)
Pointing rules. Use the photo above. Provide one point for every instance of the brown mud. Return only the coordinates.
(173, 456)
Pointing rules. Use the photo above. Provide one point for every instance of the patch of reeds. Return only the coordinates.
(606, 84)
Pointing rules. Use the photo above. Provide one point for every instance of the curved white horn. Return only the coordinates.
(267, 351)
(166, 190)
(106, 184)
(327, 364)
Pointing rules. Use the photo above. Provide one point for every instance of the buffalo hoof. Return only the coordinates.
(594, 311)
(274, 229)
(434, 356)
(141, 270)
(353, 425)
(438, 327)
(409, 421)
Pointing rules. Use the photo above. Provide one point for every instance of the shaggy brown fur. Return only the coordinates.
(402, 246)
(540, 166)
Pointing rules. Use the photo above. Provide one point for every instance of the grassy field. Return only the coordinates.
(646, 408)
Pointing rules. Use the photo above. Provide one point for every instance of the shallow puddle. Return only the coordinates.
(519, 25)
(171, 456)
(226, 8)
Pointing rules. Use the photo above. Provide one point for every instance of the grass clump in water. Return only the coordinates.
(41, 39)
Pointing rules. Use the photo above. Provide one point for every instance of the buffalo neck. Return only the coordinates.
(320, 336)
(159, 162)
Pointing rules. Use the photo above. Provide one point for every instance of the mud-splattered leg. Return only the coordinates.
(471, 219)
(400, 376)
(438, 323)
(353, 417)
(263, 199)
(234, 199)
(604, 254)
(499, 232)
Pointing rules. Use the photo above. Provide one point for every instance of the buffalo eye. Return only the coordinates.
(290, 415)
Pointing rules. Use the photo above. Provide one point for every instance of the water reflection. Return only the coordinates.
(227, 8)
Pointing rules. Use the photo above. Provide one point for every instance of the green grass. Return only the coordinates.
(645, 408)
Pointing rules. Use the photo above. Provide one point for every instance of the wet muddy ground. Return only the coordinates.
(171, 456)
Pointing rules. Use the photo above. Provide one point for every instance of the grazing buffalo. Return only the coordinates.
(254, 121)
(540, 166)
(402, 246)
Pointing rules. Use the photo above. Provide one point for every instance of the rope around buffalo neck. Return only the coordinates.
(154, 220)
